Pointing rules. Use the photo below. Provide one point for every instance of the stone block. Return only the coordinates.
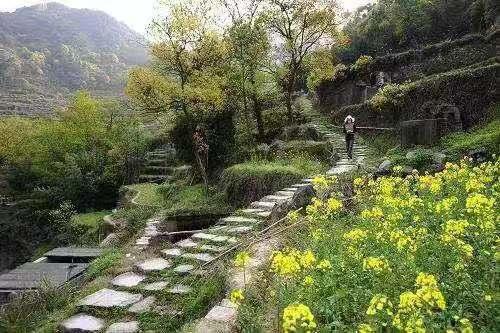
(180, 289)
(186, 243)
(124, 327)
(154, 264)
(108, 298)
(127, 280)
(205, 257)
(155, 286)
(82, 323)
(172, 252)
(143, 306)
(222, 314)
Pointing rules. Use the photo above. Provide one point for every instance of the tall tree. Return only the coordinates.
(249, 51)
(300, 25)
(187, 78)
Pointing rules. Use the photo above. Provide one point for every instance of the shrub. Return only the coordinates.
(319, 150)
(87, 229)
(247, 182)
(104, 264)
(362, 65)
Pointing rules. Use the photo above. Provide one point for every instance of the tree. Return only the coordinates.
(249, 50)
(187, 79)
(301, 25)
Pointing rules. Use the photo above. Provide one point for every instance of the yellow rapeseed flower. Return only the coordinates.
(298, 317)
(237, 296)
(376, 264)
(242, 259)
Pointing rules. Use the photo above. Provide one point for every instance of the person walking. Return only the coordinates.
(349, 130)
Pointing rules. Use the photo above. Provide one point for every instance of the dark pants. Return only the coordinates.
(349, 143)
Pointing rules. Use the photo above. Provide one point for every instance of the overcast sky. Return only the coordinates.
(135, 13)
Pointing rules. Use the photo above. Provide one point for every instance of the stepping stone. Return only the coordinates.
(108, 298)
(155, 264)
(205, 257)
(228, 304)
(172, 252)
(218, 229)
(155, 286)
(301, 185)
(239, 230)
(263, 205)
(180, 289)
(214, 238)
(186, 243)
(127, 280)
(81, 323)
(341, 169)
(264, 214)
(290, 189)
(238, 219)
(275, 198)
(143, 306)
(213, 248)
(183, 269)
(125, 327)
(142, 241)
(307, 180)
(222, 314)
(286, 193)
(251, 210)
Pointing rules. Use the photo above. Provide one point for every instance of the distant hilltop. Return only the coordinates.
(54, 50)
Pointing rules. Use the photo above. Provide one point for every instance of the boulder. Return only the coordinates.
(124, 327)
(384, 168)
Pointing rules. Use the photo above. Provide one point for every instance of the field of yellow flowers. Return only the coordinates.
(416, 254)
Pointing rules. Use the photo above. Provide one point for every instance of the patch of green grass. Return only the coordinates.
(192, 200)
(88, 227)
(147, 194)
(136, 217)
(487, 136)
(249, 181)
(104, 264)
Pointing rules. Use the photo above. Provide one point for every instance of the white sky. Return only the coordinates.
(135, 13)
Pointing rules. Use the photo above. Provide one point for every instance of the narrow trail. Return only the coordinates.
(134, 291)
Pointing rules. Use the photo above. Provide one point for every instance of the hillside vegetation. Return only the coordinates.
(47, 53)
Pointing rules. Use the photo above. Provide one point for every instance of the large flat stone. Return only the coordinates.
(155, 286)
(238, 219)
(205, 257)
(143, 306)
(276, 198)
(154, 264)
(263, 205)
(108, 298)
(213, 248)
(183, 269)
(239, 230)
(222, 314)
(172, 252)
(82, 323)
(180, 289)
(127, 280)
(124, 327)
(204, 236)
(186, 243)
(342, 169)
(286, 193)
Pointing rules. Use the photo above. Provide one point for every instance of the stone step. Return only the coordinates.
(213, 248)
(128, 280)
(124, 327)
(143, 306)
(154, 178)
(214, 238)
(158, 170)
(180, 289)
(153, 265)
(174, 253)
(184, 269)
(238, 220)
(286, 193)
(186, 243)
(203, 257)
(260, 213)
(263, 205)
(109, 298)
(82, 323)
(276, 198)
(155, 286)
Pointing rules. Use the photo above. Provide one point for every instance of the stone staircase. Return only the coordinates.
(167, 268)
(161, 165)
(133, 292)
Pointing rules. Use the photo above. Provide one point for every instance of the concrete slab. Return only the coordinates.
(127, 280)
(204, 236)
(143, 306)
(239, 230)
(124, 327)
(154, 264)
(108, 298)
(263, 205)
(213, 248)
(82, 323)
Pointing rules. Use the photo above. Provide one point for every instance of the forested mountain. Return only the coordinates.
(48, 52)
